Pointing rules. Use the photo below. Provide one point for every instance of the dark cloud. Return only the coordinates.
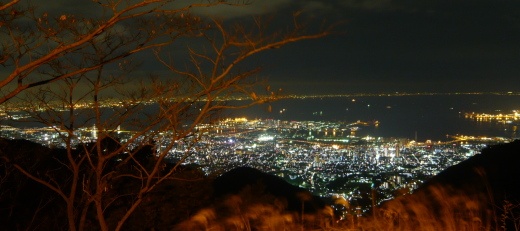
(388, 45)
(91, 9)
(414, 46)
(253, 8)
(369, 4)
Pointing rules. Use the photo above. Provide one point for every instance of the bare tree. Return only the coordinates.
(69, 62)
(41, 49)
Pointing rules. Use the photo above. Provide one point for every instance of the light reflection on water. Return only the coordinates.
(427, 117)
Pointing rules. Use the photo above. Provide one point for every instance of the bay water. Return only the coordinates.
(420, 117)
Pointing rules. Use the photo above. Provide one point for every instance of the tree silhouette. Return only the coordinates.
(80, 79)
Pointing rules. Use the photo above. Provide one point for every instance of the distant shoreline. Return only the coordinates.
(295, 96)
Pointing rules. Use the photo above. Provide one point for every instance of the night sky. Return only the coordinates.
(386, 45)
(414, 46)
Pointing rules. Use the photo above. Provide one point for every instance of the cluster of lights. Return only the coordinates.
(502, 117)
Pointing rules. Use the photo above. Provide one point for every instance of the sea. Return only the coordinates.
(418, 117)
(435, 117)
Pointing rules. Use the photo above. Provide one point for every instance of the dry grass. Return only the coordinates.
(250, 211)
(441, 208)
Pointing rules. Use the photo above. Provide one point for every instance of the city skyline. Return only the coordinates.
(308, 154)
(125, 114)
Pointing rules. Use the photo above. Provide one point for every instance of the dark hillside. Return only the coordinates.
(24, 203)
(236, 180)
(474, 193)
(253, 200)
(28, 205)
(241, 197)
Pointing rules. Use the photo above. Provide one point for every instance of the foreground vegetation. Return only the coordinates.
(477, 194)
(56, 63)
(61, 68)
